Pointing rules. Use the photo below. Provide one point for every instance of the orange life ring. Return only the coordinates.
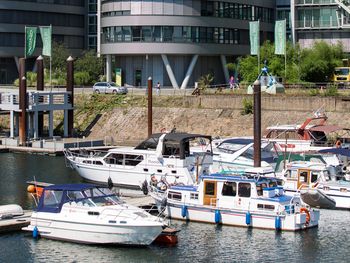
(306, 211)
(338, 144)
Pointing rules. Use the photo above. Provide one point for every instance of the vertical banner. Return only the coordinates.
(254, 34)
(280, 37)
(46, 33)
(118, 77)
(30, 39)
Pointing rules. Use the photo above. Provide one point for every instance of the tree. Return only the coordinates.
(91, 64)
(318, 63)
(60, 54)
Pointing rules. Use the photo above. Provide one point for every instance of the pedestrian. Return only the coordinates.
(158, 88)
(232, 83)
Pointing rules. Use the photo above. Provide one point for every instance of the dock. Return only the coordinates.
(15, 223)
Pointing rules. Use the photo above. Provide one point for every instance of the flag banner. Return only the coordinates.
(46, 35)
(280, 37)
(118, 77)
(254, 33)
(30, 33)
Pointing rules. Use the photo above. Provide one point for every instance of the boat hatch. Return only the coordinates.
(209, 193)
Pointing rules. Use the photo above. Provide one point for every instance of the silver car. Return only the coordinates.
(108, 87)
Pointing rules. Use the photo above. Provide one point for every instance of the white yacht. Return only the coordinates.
(86, 213)
(236, 200)
(315, 184)
(160, 156)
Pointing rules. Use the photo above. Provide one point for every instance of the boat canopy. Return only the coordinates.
(243, 141)
(340, 151)
(176, 144)
(326, 128)
(54, 196)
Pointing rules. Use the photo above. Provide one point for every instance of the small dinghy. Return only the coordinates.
(316, 198)
(10, 211)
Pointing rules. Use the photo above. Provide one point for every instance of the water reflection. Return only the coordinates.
(197, 242)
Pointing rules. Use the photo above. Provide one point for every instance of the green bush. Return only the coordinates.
(81, 78)
(331, 90)
(314, 92)
(205, 81)
(247, 106)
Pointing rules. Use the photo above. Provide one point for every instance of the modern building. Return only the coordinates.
(178, 41)
(67, 17)
(283, 12)
(314, 20)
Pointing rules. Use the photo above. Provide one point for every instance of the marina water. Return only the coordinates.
(197, 242)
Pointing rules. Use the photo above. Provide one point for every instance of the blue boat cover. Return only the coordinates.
(70, 187)
(341, 151)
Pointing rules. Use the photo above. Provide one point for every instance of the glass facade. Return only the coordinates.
(317, 18)
(56, 2)
(191, 7)
(174, 34)
(92, 24)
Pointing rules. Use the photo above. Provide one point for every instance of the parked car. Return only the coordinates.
(108, 87)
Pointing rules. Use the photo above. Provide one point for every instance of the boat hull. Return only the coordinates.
(134, 235)
(288, 222)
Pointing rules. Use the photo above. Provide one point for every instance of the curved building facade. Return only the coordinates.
(68, 20)
(178, 41)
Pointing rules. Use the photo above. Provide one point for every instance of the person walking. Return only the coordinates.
(158, 88)
(232, 83)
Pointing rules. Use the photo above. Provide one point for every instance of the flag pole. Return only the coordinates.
(285, 50)
(51, 59)
(258, 35)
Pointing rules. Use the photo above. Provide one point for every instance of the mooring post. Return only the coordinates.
(150, 84)
(22, 102)
(40, 86)
(257, 124)
(70, 87)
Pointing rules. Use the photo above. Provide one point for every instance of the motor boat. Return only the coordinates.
(86, 213)
(243, 200)
(163, 155)
(315, 184)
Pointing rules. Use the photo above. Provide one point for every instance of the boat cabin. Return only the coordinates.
(84, 195)
(304, 174)
(237, 192)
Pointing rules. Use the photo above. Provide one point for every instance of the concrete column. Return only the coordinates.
(189, 72)
(50, 123)
(224, 68)
(12, 124)
(292, 18)
(170, 71)
(70, 87)
(108, 68)
(98, 28)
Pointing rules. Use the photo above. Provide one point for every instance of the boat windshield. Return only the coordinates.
(99, 197)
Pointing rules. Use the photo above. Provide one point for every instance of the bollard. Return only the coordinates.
(150, 84)
(70, 87)
(257, 124)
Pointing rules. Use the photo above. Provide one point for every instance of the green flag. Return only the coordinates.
(280, 37)
(254, 33)
(30, 40)
(46, 33)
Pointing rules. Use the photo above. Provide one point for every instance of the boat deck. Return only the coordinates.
(15, 223)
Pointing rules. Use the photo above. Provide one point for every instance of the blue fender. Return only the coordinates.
(35, 232)
(184, 211)
(248, 218)
(217, 217)
(278, 223)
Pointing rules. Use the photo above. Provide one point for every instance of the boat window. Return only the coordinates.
(272, 184)
(52, 198)
(314, 176)
(303, 176)
(266, 207)
(326, 188)
(209, 188)
(175, 195)
(194, 196)
(244, 189)
(114, 158)
(72, 195)
(229, 189)
(133, 160)
(98, 162)
(89, 162)
(259, 190)
(343, 190)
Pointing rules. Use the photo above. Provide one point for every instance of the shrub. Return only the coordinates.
(314, 92)
(205, 81)
(247, 106)
(331, 90)
(81, 78)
